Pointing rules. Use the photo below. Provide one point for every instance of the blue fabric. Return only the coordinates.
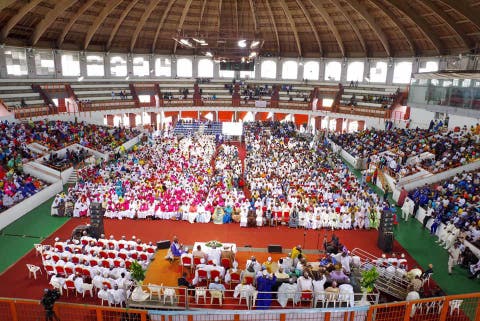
(264, 300)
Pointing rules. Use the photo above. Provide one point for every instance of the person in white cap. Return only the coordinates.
(216, 285)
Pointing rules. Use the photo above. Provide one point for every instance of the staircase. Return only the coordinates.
(133, 92)
(72, 179)
(386, 282)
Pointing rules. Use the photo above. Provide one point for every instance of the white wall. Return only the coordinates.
(42, 172)
(420, 117)
(460, 121)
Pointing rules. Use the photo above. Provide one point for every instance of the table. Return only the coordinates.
(207, 249)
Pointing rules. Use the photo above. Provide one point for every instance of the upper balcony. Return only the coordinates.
(451, 92)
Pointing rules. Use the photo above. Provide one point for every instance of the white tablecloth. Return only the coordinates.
(206, 249)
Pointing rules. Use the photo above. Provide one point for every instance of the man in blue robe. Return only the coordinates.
(265, 284)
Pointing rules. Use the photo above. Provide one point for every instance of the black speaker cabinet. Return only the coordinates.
(161, 245)
(385, 241)
(274, 248)
(96, 220)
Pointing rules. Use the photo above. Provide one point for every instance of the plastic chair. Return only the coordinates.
(87, 287)
(169, 293)
(49, 269)
(215, 294)
(427, 280)
(214, 274)
(155, 289)
(38, 249)
(60, 270)
(318, 297)
(248, 280)
(455, 305)
(33, 269)
(201, 292)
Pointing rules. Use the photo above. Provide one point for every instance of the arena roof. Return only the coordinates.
(288, 28)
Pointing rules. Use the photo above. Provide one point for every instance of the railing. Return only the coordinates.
(53, 87)
(365, 111)
(107, 105)
(33, 111)
(246, 297)
(464, 307)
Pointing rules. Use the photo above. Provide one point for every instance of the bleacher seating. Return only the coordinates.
(11, 94)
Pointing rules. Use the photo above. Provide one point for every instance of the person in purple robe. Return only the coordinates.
(265, 283)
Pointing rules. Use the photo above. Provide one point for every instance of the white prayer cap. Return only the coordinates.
(264, 272)
(57, 239)
(134, 237)
(105, 274)
(202, 261)
(235, 264)
(269, 259)
(186, 249)
(111, 237)
(216, 279)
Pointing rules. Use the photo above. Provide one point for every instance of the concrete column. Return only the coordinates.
(300, 71)
(173, 74)
(321, 70)
(194, 66)
(83, 64)
(390, 70)
(110, 120)
(106, 65)
(339, 125)
(57, 58)
(132, 120)
(129, 65)
(361, 125)
(343, 73)
(3, 63)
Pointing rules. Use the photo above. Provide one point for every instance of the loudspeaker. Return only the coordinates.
(274, 248)
(162, 245)
(386, 221)
(96, 220)
(385, 241)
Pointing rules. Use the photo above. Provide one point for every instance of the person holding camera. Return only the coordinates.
(48, 302)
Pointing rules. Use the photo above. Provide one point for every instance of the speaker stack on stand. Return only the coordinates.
(96, 220)
(385, 231)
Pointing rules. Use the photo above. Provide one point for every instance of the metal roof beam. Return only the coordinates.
(143, 19)
(269, 9)
(330, 24)
(72, 21)
(119, 23)
(111, 4)
(448, 20)
(312, 25)
(372, 23)
(336, 3)
(420, 22)
(50, 18)
(16, 18)
(292, 24)
(182, 20)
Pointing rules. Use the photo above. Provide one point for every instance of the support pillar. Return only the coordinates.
(153, 119)
(318, 122)
(339, 125)
(110, 120)
(61, 105)
(132, 120)
(361, 125)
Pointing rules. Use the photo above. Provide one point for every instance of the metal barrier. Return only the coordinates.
(464, 307)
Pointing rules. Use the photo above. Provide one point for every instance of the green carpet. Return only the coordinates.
(18, 238)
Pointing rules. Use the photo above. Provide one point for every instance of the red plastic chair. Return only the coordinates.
(78, 270)
(197, 260)
(105, 264)
(187, 262)
(75, 260)
(112, 255)
(127, 264)
(143, 257)
(70, 285)
(134, 256)
(93, 263)
(248, 280)
(214, 274)
(60, 270)
(68, 271)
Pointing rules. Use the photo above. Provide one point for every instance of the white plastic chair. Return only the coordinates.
(455, 305)
(215, 294)
(87, 287)
(427, 279)
(38, 249)
(199, 293)
(155, 289)
(170, 294)
(33, 269)
(319, 297)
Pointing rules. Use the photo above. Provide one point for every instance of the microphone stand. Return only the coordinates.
(304, 236)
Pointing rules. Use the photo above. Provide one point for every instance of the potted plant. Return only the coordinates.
(367, 283)
(138, 275)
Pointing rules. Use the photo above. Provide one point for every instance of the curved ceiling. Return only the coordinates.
(290, 28)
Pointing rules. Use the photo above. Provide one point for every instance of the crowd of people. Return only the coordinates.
(290, 178)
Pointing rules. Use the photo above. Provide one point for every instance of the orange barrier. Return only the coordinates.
(463, 307)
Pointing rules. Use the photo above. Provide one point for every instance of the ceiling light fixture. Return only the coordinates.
(253, 54)
(186, 42)
(254, 43)
(200, 41)
(242, 43)
(208, 54)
